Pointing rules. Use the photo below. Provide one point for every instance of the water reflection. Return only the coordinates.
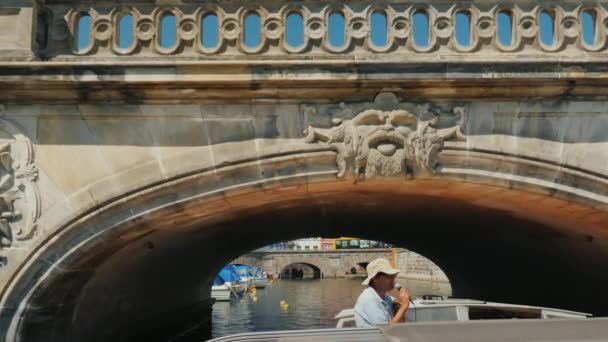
(311, 304)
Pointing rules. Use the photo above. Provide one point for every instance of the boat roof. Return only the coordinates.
(509, 330)
(329, 335)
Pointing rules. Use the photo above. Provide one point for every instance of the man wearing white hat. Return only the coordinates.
(374, 305)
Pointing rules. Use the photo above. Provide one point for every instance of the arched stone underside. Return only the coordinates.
(159, 248)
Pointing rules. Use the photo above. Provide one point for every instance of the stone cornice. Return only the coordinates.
(207, 81)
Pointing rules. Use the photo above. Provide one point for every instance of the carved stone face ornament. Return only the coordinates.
(379, 143)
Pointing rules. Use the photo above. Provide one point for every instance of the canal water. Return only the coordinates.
(310, 304)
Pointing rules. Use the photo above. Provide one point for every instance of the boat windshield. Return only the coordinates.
(488, 312)
(425, 314)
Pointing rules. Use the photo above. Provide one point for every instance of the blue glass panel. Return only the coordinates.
(125, 31)
(504, 28)
(167, 31)
(588, 19)
(421, 28)
(83, 34)
(294, 30)
(463, 28)
(210, 31)
(252, 30)
(546, 28)
(335, 29)
(378, 27)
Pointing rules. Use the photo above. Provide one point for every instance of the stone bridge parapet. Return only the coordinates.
(60, 21)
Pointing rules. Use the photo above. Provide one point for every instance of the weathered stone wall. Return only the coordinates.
(86, 155)
(415, 266)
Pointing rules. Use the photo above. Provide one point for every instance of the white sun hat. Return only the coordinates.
(379, 265)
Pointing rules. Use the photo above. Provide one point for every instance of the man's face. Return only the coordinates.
(385, 282)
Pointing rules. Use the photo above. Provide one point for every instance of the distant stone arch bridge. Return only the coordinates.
(331, 263)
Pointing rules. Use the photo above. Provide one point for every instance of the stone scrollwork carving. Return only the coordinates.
(387, 143)
(19, 197)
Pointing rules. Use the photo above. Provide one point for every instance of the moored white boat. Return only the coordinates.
(239, 287)
(260, 282)
(221, 292)
(228, 282)
(254, 275)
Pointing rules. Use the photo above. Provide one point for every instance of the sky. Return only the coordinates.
(294, 30)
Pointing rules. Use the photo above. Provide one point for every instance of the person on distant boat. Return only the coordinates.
(374, 306)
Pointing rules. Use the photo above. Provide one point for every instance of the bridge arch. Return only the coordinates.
(287, 269)
(154, 235)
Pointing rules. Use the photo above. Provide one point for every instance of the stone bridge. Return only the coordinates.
(129, 174)
(337, 263)
(329, 263)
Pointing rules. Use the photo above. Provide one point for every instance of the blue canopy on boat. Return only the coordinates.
(229, 273)
(217, 281)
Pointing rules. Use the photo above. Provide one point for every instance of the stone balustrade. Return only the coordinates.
(398, 23)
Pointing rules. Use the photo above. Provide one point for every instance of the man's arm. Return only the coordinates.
(404, 301)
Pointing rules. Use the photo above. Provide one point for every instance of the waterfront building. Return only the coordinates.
(328, 244)
(307, 244)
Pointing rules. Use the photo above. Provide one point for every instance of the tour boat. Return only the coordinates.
(495, 330)
(437, 318)
(441, 308)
